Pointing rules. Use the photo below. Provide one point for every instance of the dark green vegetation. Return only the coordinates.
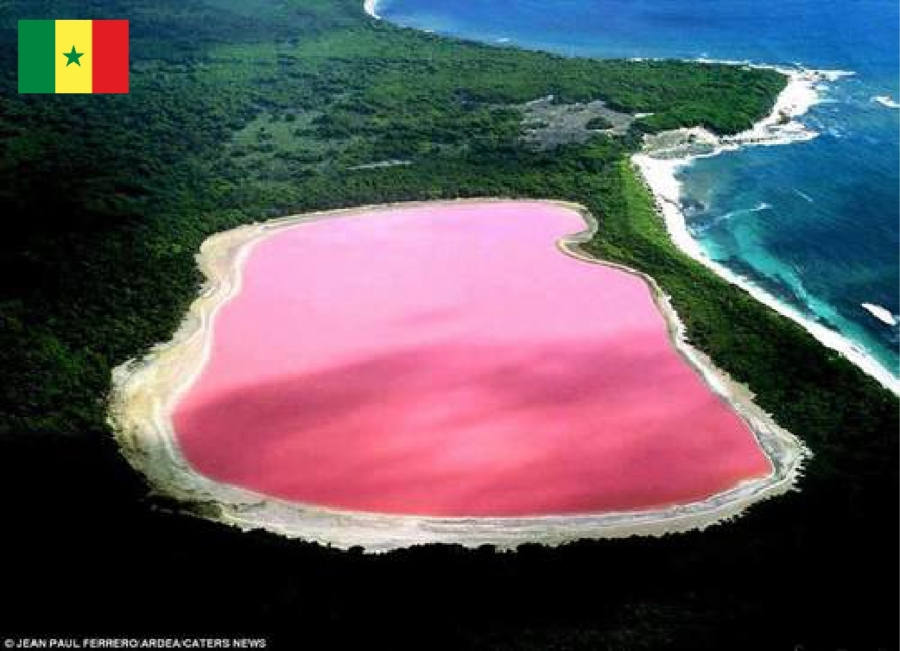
(599, 123)
(241, 111)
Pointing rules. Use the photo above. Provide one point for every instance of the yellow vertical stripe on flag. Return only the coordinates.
(70, 76)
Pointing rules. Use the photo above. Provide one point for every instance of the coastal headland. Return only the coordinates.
(664, 154)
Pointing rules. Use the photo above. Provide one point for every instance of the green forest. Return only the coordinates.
(240, 112)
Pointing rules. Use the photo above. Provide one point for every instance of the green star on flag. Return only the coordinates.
(73, 57)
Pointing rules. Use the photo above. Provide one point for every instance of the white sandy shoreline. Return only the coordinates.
(371, 8)
(780, 127)
(146, 391)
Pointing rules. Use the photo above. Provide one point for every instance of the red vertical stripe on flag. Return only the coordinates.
(110, 56)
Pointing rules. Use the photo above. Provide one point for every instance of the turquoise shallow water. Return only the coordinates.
(814, 223)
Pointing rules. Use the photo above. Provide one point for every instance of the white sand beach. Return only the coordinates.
(780, 127)
(371, 8)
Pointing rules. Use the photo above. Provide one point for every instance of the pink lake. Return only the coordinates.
(450, 360)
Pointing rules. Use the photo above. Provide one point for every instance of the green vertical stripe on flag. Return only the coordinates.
(37, 56)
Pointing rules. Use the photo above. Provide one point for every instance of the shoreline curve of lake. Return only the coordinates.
(146, 393)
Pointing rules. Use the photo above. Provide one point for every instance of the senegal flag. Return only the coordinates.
(73, 56)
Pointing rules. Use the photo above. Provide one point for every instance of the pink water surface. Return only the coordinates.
(450, 360)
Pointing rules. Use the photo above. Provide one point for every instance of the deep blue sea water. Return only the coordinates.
(816, 223)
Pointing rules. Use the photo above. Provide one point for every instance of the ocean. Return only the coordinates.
(814, 224)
